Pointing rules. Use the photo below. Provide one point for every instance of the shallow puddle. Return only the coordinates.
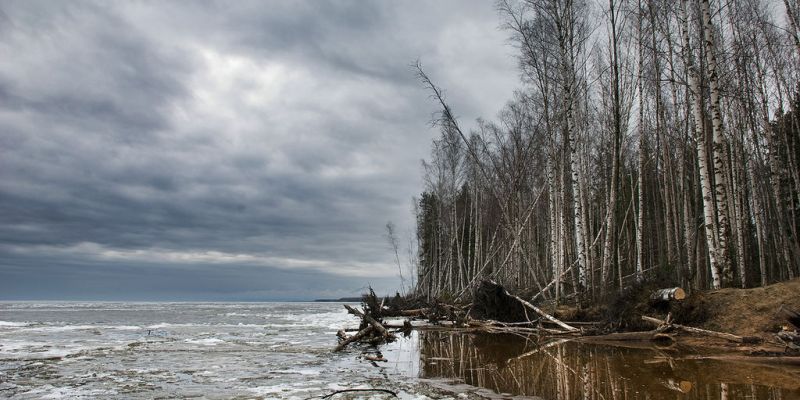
(511, 365)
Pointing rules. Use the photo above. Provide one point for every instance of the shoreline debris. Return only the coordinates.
(495, 310)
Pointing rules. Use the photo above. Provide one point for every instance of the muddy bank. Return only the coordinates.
(756, 315)
(747, 312)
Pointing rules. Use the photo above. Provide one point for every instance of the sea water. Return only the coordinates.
(73, 350)
(99, 350)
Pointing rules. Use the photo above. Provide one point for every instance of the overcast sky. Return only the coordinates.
(183, 150)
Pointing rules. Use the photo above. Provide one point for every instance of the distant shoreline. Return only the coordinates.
(67, 301)
(342, 299)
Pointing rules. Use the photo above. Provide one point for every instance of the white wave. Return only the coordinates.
(122, 327)
(163, 325)
(52, 392)
(327, 320)
(166, 325)
(13, 324)
(206, 342)
(283, 391)
(298, 371)
(36, 353)
(61, 328)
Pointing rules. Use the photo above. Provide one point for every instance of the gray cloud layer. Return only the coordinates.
(223, 150)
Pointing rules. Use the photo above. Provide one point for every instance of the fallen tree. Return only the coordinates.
(705, 332)
(495, 302)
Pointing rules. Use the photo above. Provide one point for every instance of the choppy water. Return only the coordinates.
(283, 351)
(184, 350)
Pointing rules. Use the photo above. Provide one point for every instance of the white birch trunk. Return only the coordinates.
(705, 179)
(718, 149)
(640, 200)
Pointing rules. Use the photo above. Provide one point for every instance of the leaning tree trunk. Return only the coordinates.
(795, 31)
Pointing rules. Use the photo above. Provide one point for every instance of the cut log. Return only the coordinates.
(667, 295)
(676, 385)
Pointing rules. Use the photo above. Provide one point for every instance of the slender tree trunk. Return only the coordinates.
(640, 184)
(571, 133)
(718, 150)
(609, 247)
(705, 179)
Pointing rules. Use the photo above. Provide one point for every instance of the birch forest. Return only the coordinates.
(649, 139)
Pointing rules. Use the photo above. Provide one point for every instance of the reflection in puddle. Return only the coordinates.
(562, 369)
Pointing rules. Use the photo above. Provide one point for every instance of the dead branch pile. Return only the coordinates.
(371, 330)
(494, 310)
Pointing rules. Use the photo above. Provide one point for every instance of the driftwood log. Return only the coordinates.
(368, 319)
(387, 391)
(547, 316)
(413, 313)
(358, 336)
(371, 331)
(704, 332)
(654, 336)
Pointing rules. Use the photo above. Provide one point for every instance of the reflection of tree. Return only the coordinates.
(560, 369)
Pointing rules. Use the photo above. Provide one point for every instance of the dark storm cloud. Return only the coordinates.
(229, 142)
